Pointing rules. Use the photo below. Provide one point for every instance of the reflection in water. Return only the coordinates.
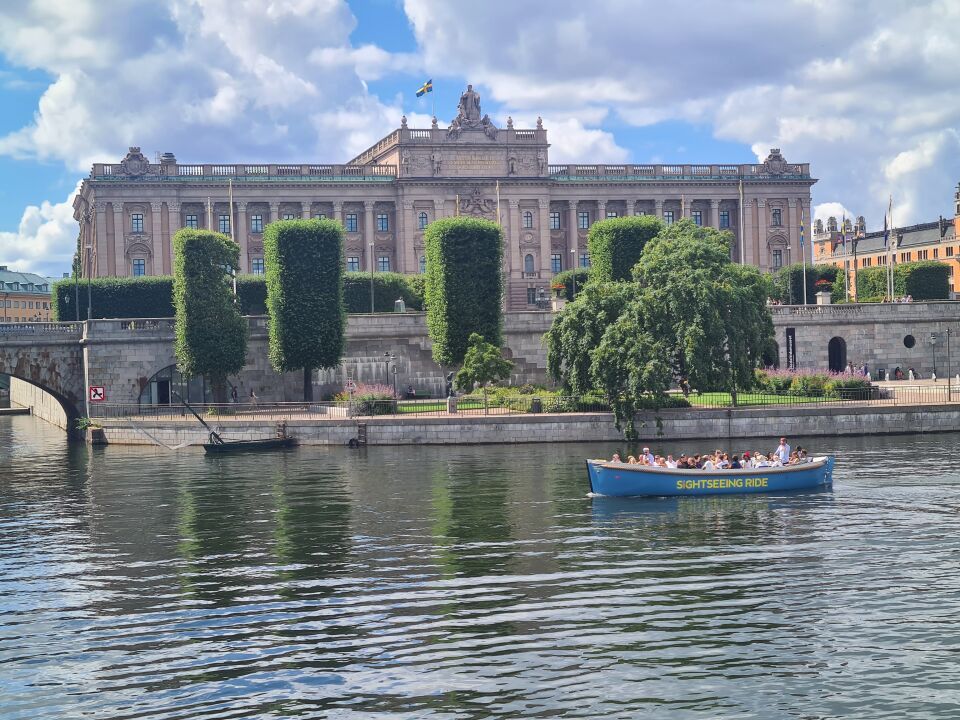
(473, 582)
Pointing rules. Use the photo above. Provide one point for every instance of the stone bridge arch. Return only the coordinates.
(47, 356)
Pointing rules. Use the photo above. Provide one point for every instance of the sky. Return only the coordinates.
(866, 92)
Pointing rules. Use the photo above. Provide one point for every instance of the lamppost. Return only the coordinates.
(933, 346)
(370, 245)
(389, 357)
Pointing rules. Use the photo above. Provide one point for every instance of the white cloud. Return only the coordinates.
(44, 242)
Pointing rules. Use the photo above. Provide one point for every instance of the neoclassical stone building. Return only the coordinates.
(387, 195)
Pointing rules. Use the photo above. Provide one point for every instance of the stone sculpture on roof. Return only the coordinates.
(469, 117)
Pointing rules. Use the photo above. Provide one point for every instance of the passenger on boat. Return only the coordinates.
(648, 456)
(735, 463)
(670, 462)
(616, 458)
(783, 451)
(631, 460)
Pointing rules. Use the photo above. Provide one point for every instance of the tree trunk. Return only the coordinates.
(218, 387)
(733, 396)
(485, 411)
(308, 384)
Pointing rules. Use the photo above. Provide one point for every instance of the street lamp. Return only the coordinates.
(370, 245)
(933, 345)
(388, 358)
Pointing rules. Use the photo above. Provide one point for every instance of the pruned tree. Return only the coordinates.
(616, 244)
(483, 363)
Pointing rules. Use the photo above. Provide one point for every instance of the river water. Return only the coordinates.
(469, 582)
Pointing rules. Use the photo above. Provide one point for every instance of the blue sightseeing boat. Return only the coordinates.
(615, 479)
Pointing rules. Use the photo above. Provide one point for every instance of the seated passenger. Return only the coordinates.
(708, 464)
(735, 462)
(616, 458)
(670, 462)
(631, 460)
(774, 460)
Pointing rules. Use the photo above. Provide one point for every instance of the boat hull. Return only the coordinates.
(623, 480)
(238, 446)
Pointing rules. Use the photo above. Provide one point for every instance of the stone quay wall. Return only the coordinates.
(741, 423)
(41, 404)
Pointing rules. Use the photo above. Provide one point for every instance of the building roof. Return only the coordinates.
(12, 281)
(923, 234)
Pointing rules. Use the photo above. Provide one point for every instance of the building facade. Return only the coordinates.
(851, 248)
(386, 196)
(24, 297)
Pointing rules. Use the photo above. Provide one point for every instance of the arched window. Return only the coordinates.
(528, 264)
(527, 219)
(423, 264)
(422, 221)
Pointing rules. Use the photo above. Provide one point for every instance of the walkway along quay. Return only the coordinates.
(333, 424)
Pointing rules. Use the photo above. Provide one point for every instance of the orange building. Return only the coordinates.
(938, 240)
(24, 297)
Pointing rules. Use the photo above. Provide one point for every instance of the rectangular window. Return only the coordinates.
(319, 216)
(531, 296)
(191, 222)
(882, 260)
(612, 214)
(777, 219)
(778, 258)
(351, 223)
(949, 252)
(256, 266)
(697, 216)
(936, 253)
(724, 219)
(583, 220)
(668, 217)
(30, 303)
(554, 221)
(223, 223)
(353, 264)
(383, 222)
(904, 257)
(584, 260)
(289, 216)
(922, 254)
(256, 223)
(139, 267)
(136, 223)
(383, 263)
(556, 263)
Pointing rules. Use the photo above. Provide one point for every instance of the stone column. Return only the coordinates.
(438, 205)
(512, 236)
(406, 239)
(760, 241)
(338, 211)
(173, 224)
(715, 214)
(793, 231)
(543, 217)
(119, 250)
(601, 210)
(658, 208)
(100, 258)
(573, 232)
(305, 210)
(241, 230)
(368, 236)
(156, 238)
(630, 207)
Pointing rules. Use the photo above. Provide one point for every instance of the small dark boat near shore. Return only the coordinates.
(225, 447)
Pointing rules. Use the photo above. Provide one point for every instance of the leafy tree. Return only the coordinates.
(464, 285)
(211, 335)
(922, 280)
(573, 281)
(616, 245)
(482, 364)
(788, 282)
(304, 269)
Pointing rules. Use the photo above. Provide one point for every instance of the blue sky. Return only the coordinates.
(864, 91)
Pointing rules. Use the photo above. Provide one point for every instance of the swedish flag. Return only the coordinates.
(425, 88)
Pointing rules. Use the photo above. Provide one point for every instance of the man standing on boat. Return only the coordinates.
(648, 456)
(783, 451)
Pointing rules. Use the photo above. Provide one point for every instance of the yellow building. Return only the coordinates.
(24, 297)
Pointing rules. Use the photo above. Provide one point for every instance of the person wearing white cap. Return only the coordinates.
(648, 456)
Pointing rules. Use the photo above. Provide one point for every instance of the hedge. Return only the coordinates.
(571, 279)
(211, 335)
(616, 244)
(922, 280)
(788, 283)
(464, 289)
(305, 296)
(152, 297)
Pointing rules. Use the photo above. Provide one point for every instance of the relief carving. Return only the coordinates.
(477, 205)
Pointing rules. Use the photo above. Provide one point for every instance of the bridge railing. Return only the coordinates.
(40, 328)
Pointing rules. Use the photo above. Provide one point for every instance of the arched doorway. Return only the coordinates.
(837, 354)
(771, 356)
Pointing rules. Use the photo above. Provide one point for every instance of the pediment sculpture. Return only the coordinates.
(135, 163)
(774, 164)
(469, 117)
(477, 205)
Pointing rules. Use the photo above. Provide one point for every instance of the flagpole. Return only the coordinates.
(803, 254)
(743, 259)
(233, 233)
(891, 254)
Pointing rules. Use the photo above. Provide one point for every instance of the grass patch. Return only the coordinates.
(723, 399)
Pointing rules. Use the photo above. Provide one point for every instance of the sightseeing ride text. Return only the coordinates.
(722, 483)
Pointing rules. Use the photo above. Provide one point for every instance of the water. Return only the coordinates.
(473, 582)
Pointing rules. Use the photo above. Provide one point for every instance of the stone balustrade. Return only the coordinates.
(247, 173)
(673, 172)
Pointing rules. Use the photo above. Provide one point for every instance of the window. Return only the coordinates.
(527, 219)
(422, 221)
(904, 257)
(867, 262)
(583, 220)
(949, 252)
(383, 222)
(30, 303)
(612, 214)
(383, 263)
(697, 216)
(289, 216)
(584, 260)
(224, 224)
(724, 219)
(319, 216)
(139, 267)
(554, 221)
(531, 296)
(423, 264)
(351, 224)
(778, 258)
(256, 223)
(528, 265)
(668, 217)
(556, 263)
(936, 253)
(256, 266)
(353, 264)
(136, 223)
(777, 219)
(16, 304)
(922, 254)
(882, 260)
(192, 222)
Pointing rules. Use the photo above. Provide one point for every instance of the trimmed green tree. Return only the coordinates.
(573, 281)
(211, 335)
(788, 282)
(484, 363)
(464, 285)
(616, 245)
(922, 280)
(304, 269)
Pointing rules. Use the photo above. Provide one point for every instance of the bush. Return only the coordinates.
(387, 288)
(464, 287)
(570, 279)
(124, 297)
(616, 244)
(371, 399)
(252, 294)
(788, 282)
(844, 385)
(777, 382)
(647, 402)
(923, 280)
(808, 384)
